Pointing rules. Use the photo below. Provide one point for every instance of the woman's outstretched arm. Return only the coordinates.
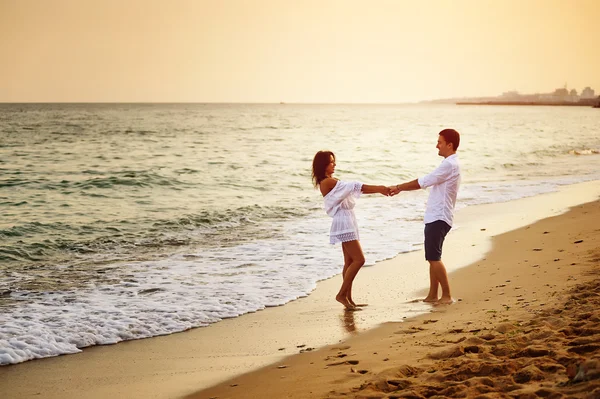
(368, 189)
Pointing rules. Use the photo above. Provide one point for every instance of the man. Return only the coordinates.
(440, 210)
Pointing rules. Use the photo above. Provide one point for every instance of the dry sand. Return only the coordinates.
(528, 326)
(490, 325)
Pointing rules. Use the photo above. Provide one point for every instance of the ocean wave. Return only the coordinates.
(48, 242)
(112, 180)
(12, 182)
(129, 178)
(585, 151)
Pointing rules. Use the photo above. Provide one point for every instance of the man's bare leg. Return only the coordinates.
(439, 271)
(432, 296)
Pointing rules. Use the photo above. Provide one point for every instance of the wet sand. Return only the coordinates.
(354, 356)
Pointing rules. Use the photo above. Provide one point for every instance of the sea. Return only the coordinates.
(129, 221)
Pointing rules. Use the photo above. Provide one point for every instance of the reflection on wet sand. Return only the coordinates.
(348, 321)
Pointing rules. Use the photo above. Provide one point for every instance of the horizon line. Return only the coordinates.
(217, 102)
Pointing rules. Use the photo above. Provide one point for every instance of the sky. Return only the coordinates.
(307, 51)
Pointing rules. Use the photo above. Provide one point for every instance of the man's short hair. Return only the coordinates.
(451, 136)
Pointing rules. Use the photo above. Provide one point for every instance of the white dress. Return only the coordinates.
(339, 204)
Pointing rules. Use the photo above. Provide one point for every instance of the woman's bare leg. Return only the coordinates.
(347, 263)
(353, 251)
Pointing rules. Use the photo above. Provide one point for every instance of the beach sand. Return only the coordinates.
(523, 316)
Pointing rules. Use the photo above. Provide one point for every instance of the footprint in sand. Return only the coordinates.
(352, 362)
(353, 370)
(341, 348)
(458, 341)
(447, 353)
(412, 330)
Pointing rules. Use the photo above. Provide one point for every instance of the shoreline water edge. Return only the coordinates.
(176, 365)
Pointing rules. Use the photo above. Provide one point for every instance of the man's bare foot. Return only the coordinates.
(430, 300)
(445, 301)
(344, 301)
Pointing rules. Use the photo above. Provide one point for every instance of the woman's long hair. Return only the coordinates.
(320, 162)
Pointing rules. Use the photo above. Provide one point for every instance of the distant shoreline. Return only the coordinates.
(532, 103)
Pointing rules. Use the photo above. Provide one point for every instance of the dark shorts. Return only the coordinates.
(435, 232)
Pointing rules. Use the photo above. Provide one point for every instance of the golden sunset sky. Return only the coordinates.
(313, 51)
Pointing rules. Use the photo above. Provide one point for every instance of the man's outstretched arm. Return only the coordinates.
(408, 186)
(439, 175)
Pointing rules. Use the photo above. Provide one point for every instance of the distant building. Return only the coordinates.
(587, 93)
(510, 95)
(573, 95)
(561, 94)
(558, 96)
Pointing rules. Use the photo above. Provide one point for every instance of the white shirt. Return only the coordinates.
(444, 182)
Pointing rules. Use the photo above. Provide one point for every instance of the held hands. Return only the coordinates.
(393, 190)
(390, 191)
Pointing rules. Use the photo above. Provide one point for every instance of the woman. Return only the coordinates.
(339, 199)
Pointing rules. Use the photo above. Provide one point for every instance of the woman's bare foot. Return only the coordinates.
(361, 305)
(430, 300)
(344, 301)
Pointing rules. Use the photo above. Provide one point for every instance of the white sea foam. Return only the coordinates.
(177, 293)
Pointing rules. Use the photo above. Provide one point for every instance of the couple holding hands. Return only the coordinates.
(339, 197)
